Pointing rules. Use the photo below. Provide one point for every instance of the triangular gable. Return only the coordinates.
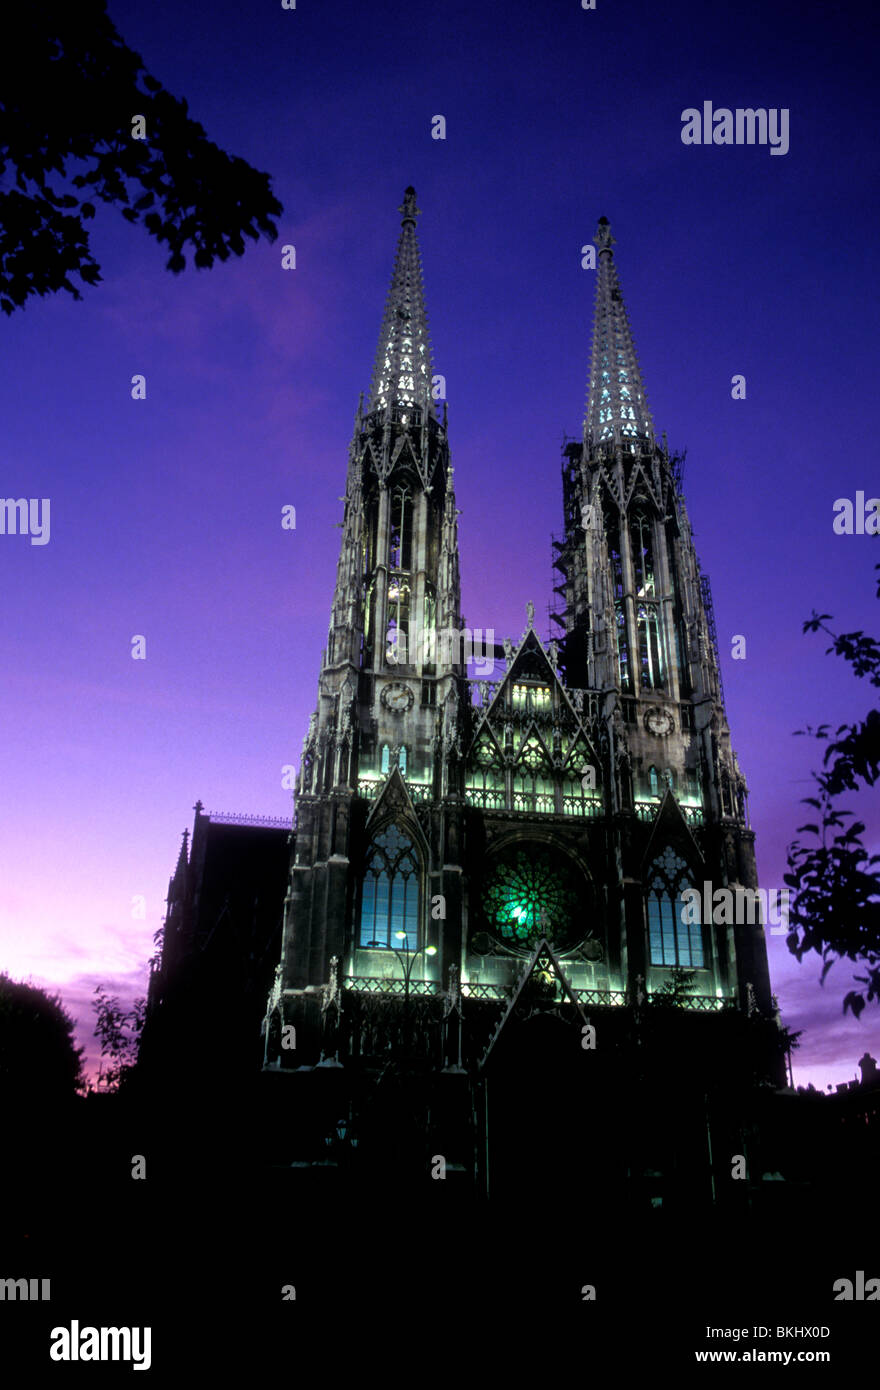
(640, 474)
(395, 803)
(404, 456)
(670, 824)
(530, 662)
(541, 952)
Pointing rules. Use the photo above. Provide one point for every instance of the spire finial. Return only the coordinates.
(603, 238)
(617, 411)
(408, 207)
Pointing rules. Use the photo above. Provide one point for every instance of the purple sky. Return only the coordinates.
(165, 513)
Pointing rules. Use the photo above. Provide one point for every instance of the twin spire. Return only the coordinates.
(402, 374)
(617, 412)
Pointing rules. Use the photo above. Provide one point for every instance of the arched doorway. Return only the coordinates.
(537, 1103)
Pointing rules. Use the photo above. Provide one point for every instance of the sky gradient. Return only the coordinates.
(165, 513)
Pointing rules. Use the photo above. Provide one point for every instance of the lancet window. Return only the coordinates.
(612, 531)
(651, 666)
(641, 533)
(390, 893)
(674, 939)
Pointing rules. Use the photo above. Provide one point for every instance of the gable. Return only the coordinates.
(531, 720)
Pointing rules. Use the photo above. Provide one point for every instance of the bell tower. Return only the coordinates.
(384, 671)
(638, 629)
(391, 674)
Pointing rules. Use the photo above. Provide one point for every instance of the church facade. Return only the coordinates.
(495, 863)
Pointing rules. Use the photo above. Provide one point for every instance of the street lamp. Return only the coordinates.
(407, 972)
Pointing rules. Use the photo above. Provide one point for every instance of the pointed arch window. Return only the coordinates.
(386, 759)
(399, 559)
(612, 531)
(674, 939)
(650, 647)
(533, 779)
(485, 777)
(654, 780)
(641, 532)
(390, 893)
(400, 543)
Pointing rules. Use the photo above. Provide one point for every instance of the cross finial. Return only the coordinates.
(408, 207)
(603, 238)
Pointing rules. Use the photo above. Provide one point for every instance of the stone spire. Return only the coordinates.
(617, 411)
(402, 374)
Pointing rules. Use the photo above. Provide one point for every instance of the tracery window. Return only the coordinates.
(530, 893)
(533, 780)
(390, 893)
(485, 778)
(674, 939)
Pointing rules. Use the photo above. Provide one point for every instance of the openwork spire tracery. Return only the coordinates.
(617, 411)
(402, 373)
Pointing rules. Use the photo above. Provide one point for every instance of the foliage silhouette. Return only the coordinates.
(835, 907)
(70, 93)
(119, 1032)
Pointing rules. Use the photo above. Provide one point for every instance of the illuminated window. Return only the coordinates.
(642, 543)
(533, 780)
(650, 657)
(612, 531)
(530, 894)
(400, 544)
(674, 939)
(386, 757)
(390, 893)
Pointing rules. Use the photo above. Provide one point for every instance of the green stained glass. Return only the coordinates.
(529, 896)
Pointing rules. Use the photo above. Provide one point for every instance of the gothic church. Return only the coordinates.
(484, 893)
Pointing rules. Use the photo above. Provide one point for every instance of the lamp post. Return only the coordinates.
(407, 972)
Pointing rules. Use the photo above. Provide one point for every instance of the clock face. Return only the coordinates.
(659, 722)
(397, 697)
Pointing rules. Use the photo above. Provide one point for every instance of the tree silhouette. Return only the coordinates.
(835, 908)
(38, 1058)
(74, 97)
